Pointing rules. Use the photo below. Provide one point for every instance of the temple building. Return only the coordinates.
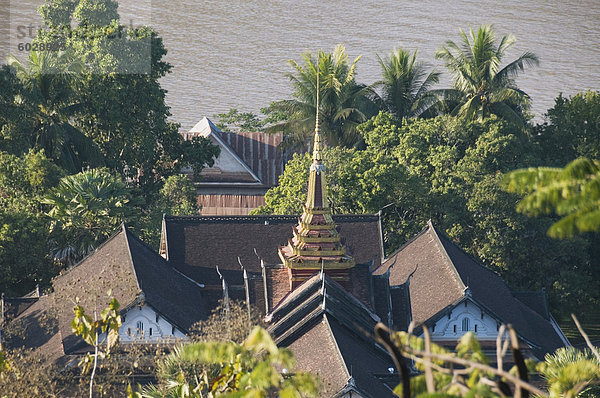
(322, 281)
(249, 164)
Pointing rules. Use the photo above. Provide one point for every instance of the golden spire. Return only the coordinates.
(317, 145)
(316, 244)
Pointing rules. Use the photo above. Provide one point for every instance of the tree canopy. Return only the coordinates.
(481, 86)
(407, 86)
(344, 103)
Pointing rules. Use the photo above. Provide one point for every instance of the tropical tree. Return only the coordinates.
(85, 209)
(572, 193)
(344, 103)
(254, 368)
(571, 129)
(406, 85)
(571, 372)
(48, 78)
(120, 103)
(481, 86)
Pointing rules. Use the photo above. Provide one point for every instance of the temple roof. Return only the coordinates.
(195, 245)
(246, 157)
(133, 273)
(329, 332)
(443, 275)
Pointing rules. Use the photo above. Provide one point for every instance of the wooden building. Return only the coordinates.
(249, 164)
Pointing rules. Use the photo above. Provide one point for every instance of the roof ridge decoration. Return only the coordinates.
(316, 244)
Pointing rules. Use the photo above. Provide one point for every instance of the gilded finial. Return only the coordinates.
(317, 146)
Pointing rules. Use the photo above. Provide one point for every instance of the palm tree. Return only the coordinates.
(344, 104)
(48, 78)
(85, 209)
(481, 88)
(406, 85)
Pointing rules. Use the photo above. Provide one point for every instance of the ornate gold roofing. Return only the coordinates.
(316, 243)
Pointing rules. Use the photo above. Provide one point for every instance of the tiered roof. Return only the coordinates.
(316, 243)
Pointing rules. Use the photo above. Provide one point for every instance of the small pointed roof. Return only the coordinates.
(228, 161)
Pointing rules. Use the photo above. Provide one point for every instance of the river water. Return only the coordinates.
(233, 53)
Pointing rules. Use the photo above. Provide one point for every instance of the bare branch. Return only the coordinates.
(428, 372)
(586, 337)
(463, 362)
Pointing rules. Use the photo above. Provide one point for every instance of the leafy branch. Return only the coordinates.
(91, 330)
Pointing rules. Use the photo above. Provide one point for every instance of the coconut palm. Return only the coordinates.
(406, 85)
(481, 88)
(344, 104)
(48, 78)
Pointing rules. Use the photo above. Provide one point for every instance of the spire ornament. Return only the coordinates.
(316, 245)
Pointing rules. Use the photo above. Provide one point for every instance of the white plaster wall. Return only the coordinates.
(161, 330)
(487, 327)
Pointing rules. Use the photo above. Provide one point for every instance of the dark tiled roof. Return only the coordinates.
(536, 301)
(131, 271)
(15, 306)
(434, 285)
(443, 274)
(37, 329)
(328, 330)
(108, 268)
(172, 294)
(193, 242)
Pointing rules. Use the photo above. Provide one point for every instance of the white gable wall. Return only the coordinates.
(143, 324)
(465, 317)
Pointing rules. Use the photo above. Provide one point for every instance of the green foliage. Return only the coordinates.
(344, 104)
(98, 102)
(406, 85)
(572, 129)
(570, 372)
(178, 196)
(481, 88)
(23, 227)
(573, 193)
(254, 368)
(235, 121)
(49, 102)
(446, 384)
(91, 331)
(85, 209)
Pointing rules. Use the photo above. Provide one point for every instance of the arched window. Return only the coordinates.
(140, 326)
(465, 324)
